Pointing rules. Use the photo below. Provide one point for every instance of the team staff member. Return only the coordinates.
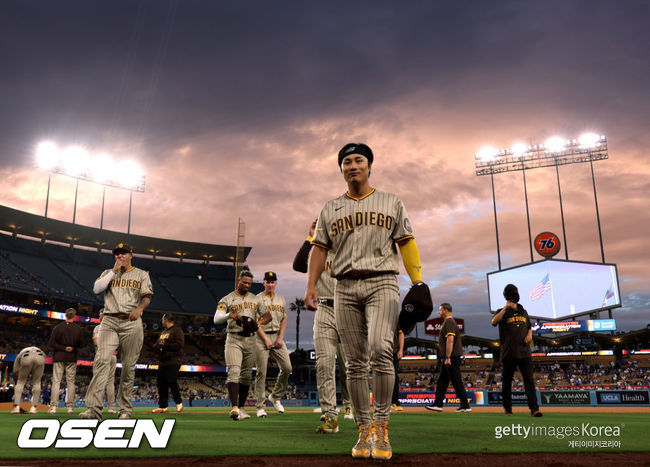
(127, 292)
(515, 334)
(327, 342)
(110, 381)
(270, 340)
(398, 353)
(450, 348)
(169, 348)
(29, 360)
(363, 227)
(65, 340)
(240, 344)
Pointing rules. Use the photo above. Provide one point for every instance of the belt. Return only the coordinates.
(270, 332)
(326, 301)
(355, 275)
(243, 334)
(118, 315)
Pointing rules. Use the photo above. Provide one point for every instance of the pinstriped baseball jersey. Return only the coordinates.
(278, 308)
(245, 305)
(125, 290)
(326, 283)
(363, 232)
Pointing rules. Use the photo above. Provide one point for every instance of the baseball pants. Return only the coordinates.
(447, 374)
(366, 317)
(70, 370)
(168, 380)
(127, 336)
(526, 367)
(281, 356)
(343, 377)
(34, 364)
(110, 384)
(240, 358)
(328, 348)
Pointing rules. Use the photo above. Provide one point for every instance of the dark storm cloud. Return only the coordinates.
(151, 71)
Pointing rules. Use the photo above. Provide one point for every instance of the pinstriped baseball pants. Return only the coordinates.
(240, 358)
(328, 352)
(115, 333)
(70, 370)
(366, 317)
(281, 356)
(31, 364)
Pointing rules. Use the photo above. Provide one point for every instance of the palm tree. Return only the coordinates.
(297, 305)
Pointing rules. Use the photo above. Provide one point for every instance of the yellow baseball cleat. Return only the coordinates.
(382, 449)
(364, 445)
(330, 425)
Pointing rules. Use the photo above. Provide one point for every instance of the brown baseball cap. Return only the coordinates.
(122, 248)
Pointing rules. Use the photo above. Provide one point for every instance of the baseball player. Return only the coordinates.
(238, 308)
(127, 292)
(30, 360)
(66, 339)
(110, 381)
(327, 342)
(363, 227)
(270, 340)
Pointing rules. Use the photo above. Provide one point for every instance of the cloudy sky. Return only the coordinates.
(237, 110)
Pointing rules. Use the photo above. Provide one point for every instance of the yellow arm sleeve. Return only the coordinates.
(411, 259)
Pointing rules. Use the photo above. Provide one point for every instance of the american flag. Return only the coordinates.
(609, 294)
(541, 288)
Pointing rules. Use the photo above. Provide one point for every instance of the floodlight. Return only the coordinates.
(518, 149)
(129, 174)
(589, 140)
(101, 168)
(74, 160)
(555, 144)
(47, 155)
(487, 153)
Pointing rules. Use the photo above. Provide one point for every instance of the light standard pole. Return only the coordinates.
(47, 197)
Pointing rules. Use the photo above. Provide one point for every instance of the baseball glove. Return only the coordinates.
(249, 325)
(416, 307)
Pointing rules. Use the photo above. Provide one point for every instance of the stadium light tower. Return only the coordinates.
(76, 162)
(555, 152)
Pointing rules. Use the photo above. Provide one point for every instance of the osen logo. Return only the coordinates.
(78, 434)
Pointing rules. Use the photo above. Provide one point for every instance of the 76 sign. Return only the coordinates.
(547, 244)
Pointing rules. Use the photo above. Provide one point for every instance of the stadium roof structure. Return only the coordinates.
(32, 225)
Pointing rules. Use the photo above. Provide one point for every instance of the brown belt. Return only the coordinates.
(119, 315)
(356, 275)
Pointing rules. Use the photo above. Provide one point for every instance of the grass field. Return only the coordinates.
(201, 433)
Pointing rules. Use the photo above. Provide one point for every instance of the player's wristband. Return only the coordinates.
(411, 259)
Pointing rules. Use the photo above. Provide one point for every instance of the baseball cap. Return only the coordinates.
(356, 148)
(270, 276)
(122, 248)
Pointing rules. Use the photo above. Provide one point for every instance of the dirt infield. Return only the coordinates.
(628, 459)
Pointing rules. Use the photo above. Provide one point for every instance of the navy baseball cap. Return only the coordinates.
(122, 248)
(270, 276)
(355, 148)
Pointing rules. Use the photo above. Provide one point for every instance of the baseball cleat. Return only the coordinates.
(160, 410)
(261, 413)
(277, 404)
(348, 414)
(234, 413)
(396, 407)
(112, 411)
(323, 417)
(16, 409)
(330, 425)
(433, 408)
(124, 416)
(179, 408)
(71, 410)
(508, 414)
(243, 415)
(461, 410)
(537, 413)
(51, 410)
(382, 449)
(89, 415)
(365, 444)
(33, 409)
